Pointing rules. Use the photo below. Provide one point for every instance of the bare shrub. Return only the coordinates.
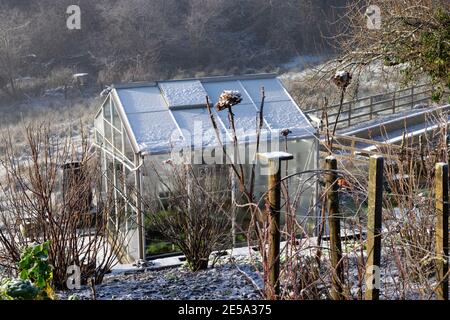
(413, 39)
(194, 214)
(408, 236)
(60, 77)
(299, 277)
(410, 207)
(408, 254)
(48, 191)
(13, 27)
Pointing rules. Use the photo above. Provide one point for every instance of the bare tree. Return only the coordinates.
(13, 29)
(412, 34)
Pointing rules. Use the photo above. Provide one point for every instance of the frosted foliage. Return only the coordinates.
(228, 98)
(98, 123)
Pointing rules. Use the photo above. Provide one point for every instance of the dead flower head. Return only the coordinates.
(342, 79)
(285, 132)
(227, 99)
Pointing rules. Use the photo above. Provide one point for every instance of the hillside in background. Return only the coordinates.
(131, 40)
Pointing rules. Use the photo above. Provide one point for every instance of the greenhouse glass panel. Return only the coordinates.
(116, 120)
(142, 99)
(128, 150)
(273, 89)
(98, 124)
(108, 131)
(98, 138)
(107, 110)
(196, 124)
(215, 89)
(118, 140)
(286, 115)
(183, 93)
(155, 131)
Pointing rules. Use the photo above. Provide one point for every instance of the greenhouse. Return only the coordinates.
(141, 126)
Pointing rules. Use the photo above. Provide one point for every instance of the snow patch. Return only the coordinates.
(155, 132)
(183, 93)
(142, 99)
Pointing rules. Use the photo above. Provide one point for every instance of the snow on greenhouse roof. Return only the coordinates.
(165, 113)
(183, 93)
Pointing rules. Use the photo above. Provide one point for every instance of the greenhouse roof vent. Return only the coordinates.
(183, 94)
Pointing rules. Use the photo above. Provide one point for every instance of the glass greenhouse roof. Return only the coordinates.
(167, 113)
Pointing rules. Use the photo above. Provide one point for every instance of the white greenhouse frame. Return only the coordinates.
(129, 125)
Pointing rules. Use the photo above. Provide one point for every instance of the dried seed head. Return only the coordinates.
(285, 132)
(228, 99)
(342, 79)
(168, 161)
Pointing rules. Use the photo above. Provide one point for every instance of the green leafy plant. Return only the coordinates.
(74, 297)
(34, 266)
(35, 276)
(161, 247)
(18, 289)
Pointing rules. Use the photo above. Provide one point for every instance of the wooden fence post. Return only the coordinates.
(393, 102)
(274, 160)
(371, 107)
(349, 114)
(442, 207)
(374, 221)
(335, 228)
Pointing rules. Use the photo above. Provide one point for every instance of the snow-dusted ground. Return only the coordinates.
(375, 75)
(310, 86)
(227, 281)
(300, 63)
(235, 277)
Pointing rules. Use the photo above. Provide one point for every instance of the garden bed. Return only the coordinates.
(226, 281)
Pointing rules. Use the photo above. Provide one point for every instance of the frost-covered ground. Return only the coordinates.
(237, 278)
(226, 281)
(300, 63)
(375, 77)
(310, 86)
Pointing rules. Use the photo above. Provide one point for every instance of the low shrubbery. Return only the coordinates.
(55, 196)
(194, 217)
(35, 276)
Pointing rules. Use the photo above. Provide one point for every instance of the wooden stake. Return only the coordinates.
(374, 221)
(335, 228)
(274, 178)
(442, 231)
